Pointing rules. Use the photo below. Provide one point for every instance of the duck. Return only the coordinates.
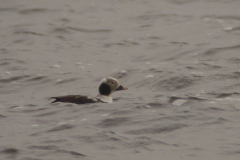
(106, 88)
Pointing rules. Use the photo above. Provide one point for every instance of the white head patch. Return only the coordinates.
(104, 80)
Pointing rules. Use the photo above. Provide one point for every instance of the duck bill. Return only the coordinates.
(120, 88)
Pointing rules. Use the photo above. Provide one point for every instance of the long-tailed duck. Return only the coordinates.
(107, 86)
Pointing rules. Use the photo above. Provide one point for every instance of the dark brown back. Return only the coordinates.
(78, 99)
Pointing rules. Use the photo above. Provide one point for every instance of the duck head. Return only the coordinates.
(109, 85)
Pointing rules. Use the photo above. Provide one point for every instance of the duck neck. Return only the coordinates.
(104, 99)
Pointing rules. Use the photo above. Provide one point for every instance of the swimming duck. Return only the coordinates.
(107, 87)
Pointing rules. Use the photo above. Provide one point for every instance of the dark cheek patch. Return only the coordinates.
(104, 89)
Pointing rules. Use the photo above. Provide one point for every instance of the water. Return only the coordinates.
(179, 59)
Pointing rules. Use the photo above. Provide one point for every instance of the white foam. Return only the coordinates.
(212, 102)
(193, 54)
(59, 80)
(219, 20)
(56, 66)
(147, 106)
(149, 76)
(7, 72)
(78, 63)
(104, 115)
(123, 71)
(62, 123)
(179, 102)
(228, 28)
(196, 73)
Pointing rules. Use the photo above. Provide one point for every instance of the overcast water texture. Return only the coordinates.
(179, 59)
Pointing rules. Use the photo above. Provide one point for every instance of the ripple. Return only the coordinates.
(44, 114)
(67, 80)
(122, 112)
(4, 51)
(44, 147)
(175, 83)
(90, 30)
(35, 10)
(111, 122)
(60, 30)
(10, 152)
(213, 51)
(156, 105)
(38, 78)
(11, 79)
(74, 153)
(2, 9)
(61, 128)
(157, 130)
(2, 116)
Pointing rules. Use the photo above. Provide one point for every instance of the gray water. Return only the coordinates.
(180, 60)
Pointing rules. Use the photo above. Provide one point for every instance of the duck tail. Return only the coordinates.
(56, 99)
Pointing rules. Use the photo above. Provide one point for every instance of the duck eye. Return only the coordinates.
(112, 83)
